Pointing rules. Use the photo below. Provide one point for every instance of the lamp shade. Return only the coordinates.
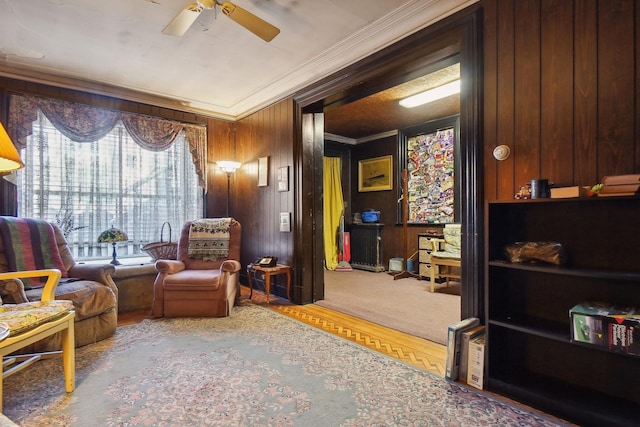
(112, 235)
(9, 157)
(228, 166)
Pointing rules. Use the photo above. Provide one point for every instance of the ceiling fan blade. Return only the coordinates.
(181, 23)
(251, 22)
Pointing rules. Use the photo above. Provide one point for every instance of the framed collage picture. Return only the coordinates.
(432, 186)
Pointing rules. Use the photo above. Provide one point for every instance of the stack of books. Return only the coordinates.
(454, 345)
(468, 337)
(620, 185)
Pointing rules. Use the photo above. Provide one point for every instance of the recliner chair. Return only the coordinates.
(197, 285)
(89, 286)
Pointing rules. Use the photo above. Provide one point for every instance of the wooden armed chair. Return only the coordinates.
(24, 324)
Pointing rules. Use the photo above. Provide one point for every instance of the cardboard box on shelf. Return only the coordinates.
(615, 328)
(569, 192)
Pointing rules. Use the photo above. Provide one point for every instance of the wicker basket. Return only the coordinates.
(162, 249)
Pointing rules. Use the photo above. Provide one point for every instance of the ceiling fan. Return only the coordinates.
(181, 23)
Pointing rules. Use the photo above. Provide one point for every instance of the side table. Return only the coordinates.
(268, 272)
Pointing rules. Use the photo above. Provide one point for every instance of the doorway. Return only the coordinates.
(456, 36)
(425, 142)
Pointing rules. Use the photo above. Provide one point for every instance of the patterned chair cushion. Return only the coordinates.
(452, 242)
(20, 318)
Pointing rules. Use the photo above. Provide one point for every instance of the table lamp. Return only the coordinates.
(9, 157)
(113, 235)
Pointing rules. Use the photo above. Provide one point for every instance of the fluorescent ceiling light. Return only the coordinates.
(431, 94)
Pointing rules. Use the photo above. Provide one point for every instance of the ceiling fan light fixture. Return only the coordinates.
(187, 16)
(207, 4)
(431, 95)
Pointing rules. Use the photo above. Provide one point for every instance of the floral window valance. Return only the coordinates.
(85, 123)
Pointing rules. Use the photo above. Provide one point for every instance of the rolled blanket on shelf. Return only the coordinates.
(209, 239)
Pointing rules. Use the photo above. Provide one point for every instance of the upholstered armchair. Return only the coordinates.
(203, 280)
(88, 286)
(446, 263)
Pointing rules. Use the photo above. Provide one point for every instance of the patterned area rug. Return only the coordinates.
(254, 368)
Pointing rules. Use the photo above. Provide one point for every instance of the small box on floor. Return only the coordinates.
(616, 328)
(475, 368)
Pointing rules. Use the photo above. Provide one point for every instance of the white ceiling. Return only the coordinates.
(217, 68)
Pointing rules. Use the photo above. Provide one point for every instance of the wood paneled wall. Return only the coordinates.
(561, 83)
(267, 133)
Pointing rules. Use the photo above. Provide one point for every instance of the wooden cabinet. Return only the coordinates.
(426, 245)
(530, 355)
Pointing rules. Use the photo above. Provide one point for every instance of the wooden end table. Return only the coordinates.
(268, 272)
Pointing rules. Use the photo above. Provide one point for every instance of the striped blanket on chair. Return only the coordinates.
(209, 239)
(30, 244)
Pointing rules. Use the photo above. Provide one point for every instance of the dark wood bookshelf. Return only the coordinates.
(530, 355)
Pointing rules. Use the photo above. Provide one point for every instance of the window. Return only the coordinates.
(86, 187)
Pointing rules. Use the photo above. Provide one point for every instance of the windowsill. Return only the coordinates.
(140, 260)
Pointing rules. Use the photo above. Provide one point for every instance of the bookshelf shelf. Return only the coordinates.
(534, 327)
(578, 272)
(530, 355)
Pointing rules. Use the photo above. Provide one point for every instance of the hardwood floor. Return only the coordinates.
(134, 316)
(418, 352)
(423, 354)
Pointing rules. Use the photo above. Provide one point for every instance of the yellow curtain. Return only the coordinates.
(333, 206)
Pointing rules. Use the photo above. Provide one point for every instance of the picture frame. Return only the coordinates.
(375, 174)
(283, 178)
(263, 171)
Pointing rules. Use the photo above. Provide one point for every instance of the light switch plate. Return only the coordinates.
(285, 222)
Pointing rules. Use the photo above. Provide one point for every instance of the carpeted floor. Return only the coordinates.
(254, 368)
(405, 305)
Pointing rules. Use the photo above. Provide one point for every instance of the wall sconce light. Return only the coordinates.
(431, 95)
(9, 157)
(228, 167)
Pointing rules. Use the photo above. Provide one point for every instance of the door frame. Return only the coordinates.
(459, 34)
